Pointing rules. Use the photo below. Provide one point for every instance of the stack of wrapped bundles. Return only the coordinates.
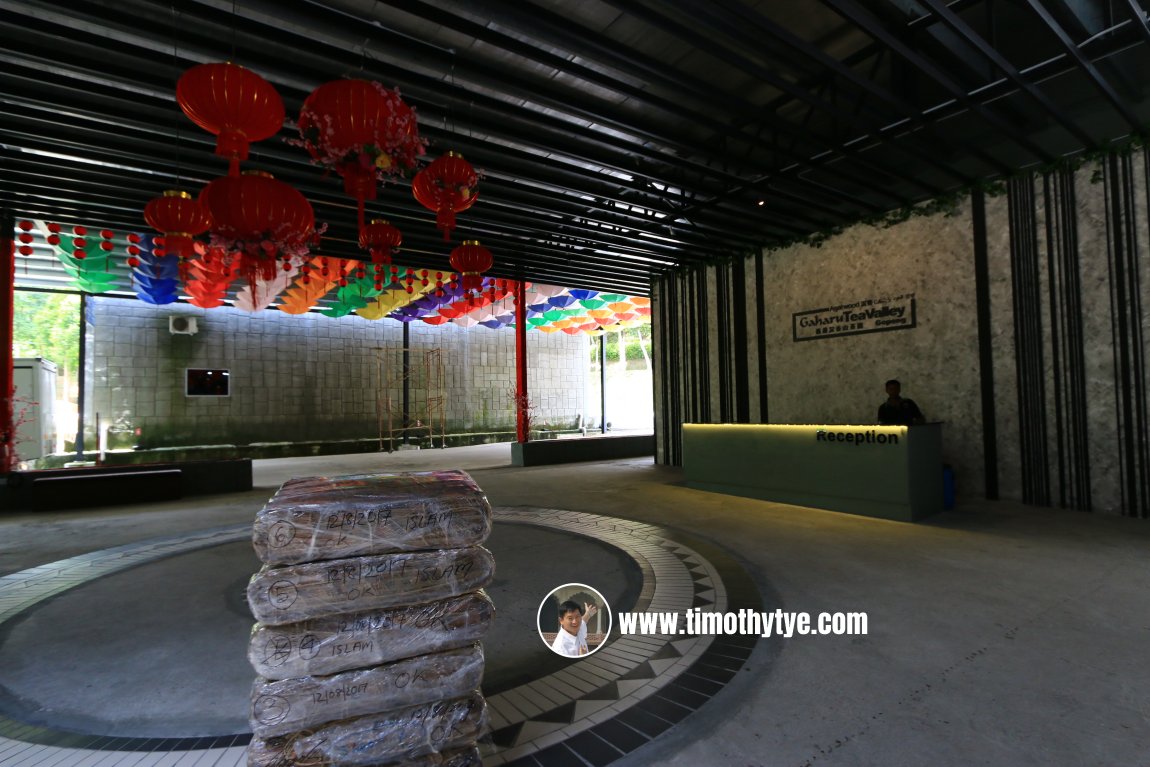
(369, 609)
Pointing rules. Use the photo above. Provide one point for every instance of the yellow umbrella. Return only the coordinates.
(392, 299)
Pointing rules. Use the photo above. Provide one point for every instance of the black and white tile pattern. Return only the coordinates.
(591, 712)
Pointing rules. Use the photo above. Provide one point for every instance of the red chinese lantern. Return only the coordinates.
(234, 103)
(471, 260)
(179, 218)
(381, 239)
(362, 131)
(259, 219)
(447, 187)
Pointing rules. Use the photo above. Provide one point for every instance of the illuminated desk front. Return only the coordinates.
(892, 472)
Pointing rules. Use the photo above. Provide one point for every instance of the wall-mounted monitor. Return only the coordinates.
(202, 382)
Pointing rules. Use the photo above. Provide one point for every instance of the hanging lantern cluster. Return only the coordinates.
(446, 187)
(256, 223)
(262, 229)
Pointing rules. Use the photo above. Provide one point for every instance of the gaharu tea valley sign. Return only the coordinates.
(872, 315)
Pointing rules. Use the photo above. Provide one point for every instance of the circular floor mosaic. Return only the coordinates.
(594, 709)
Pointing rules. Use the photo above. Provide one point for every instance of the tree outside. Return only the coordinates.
(630, 392)
(47, 325)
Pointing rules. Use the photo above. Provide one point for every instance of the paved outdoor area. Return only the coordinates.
(997, 633)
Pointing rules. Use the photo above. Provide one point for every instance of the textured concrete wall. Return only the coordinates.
(310, 377)
(1069, 429)
(1094, 234)
(840, 379)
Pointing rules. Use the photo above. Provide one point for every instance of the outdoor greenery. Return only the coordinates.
(636, 346)
(48, 325)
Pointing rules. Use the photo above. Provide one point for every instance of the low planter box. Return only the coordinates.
(551, 451)
(88, 486)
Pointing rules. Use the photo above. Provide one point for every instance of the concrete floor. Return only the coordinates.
(998, 634)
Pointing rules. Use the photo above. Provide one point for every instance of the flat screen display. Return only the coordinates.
(202, 382)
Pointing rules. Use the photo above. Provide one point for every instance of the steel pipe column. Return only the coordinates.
(522, 419)
(7, 323)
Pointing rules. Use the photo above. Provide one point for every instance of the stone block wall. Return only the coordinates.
(298, 378)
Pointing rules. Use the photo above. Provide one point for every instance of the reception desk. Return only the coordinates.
(892, 472)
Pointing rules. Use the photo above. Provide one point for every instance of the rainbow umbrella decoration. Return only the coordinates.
(315, 280)
(156, 279)
(90, 272)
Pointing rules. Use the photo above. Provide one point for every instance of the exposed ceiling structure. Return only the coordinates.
(619, 139)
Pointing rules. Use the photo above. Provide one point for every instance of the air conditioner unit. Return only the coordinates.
(182, 326)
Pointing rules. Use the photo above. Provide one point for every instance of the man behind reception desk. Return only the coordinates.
(898, 410)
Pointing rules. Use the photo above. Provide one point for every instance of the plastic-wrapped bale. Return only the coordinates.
(456, 757)
(302, 703)
(296, 593)
(467, 756)
(320, 518)
(337, 643)
(392, 736)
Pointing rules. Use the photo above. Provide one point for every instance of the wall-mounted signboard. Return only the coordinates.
(871, 315)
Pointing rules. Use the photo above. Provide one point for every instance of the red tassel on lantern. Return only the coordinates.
(234, 103)
(447, 187)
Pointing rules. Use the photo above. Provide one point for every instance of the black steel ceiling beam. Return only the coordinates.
(1086, 65)
(1139, 16)
(835, 147)
(428, 243)
(536, 121)
(160, 148)
(998, 60)
(574, 69)
(197, 175)
(661, 158)
(1069, 16)
(851, 11)
(720, 222)
(749, 24)
(100, 195)
(799, 161)
(305, 25)
(908, 118)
